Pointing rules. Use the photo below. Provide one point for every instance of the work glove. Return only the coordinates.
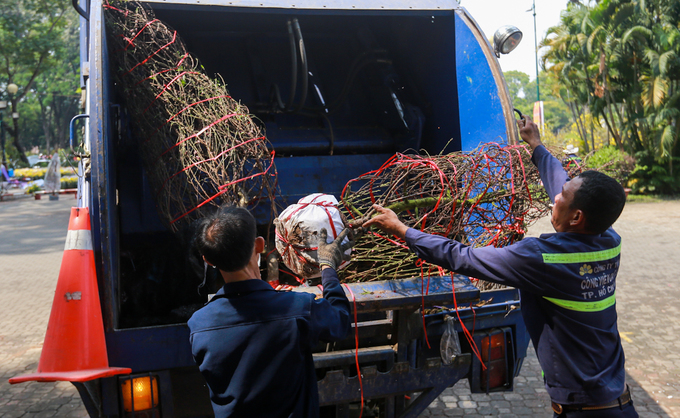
(333, 254)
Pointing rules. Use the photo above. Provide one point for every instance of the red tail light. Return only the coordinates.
(494, 356)
(498, 355)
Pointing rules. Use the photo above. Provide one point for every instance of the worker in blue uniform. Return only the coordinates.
(252, 343)
(567, 282)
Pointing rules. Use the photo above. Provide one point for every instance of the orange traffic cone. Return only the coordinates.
(75, 348)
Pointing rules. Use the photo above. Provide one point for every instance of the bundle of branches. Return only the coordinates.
(199, 146)
(485, 197)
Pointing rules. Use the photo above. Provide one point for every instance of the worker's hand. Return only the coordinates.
(333, 254)
(528, 130)
(387, 221)
(357, 225)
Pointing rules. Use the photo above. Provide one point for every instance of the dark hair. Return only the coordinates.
(227, 237)
(601, 198)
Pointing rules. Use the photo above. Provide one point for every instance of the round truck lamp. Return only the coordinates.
(506, 39)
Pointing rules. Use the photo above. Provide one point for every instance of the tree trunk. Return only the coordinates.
(15, 135)
(46, 125)
(636, 138)
(611, 126)
(47, 131)
(579, 126)
(670, 166)
(592, 133)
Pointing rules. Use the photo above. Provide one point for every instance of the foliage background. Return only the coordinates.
(610, 75)
(615, 66)
(39, 52)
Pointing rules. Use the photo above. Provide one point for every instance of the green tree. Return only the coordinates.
(619, 61)
(660, 78)
(56, 92)
(517, 82)
(523, 93)
(566, 52)
(31, 42)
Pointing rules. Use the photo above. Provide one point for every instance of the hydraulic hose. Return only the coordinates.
(84, 13)
(305, 67)
(350, 80)
(293, 56)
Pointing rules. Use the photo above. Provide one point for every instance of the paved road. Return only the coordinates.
(31, 243)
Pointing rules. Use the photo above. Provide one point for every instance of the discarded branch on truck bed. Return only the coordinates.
(428, 202)
(200, 146)
(485, 197)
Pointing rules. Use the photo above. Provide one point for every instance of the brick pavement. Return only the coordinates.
(31, 243)
(32, 234)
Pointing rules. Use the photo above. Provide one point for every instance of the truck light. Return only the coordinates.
(493, 355)
(497, 352)
(139, 393)
(493, 347)
(506, 39)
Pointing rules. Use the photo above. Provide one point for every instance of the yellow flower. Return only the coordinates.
(585, 269)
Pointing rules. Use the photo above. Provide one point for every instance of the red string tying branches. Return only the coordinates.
(200, 147)
(485, 197)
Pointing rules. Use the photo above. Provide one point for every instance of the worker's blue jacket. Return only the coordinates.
(254, 346)
(567, 283)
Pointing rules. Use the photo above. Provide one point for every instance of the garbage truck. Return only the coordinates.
(398, 76)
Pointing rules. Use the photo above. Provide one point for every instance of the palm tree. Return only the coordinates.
(659, 38)
(620, 60)
(567, 53)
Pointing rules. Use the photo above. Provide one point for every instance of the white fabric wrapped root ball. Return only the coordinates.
(297, 232)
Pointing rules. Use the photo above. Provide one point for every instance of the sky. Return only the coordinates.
(492, 14)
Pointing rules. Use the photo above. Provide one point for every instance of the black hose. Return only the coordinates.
(293, 56)
(83, 13)
(350, 81)
(330, 130)
(359, 62)
(276, 96)
(305, 67)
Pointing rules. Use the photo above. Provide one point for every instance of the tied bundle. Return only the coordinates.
(199, 146)
(297, 232)
(485, 197)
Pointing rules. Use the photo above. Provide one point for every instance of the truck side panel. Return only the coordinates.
(103, 189)
(481, 103)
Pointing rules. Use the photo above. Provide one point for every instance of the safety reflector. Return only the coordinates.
(589, 257)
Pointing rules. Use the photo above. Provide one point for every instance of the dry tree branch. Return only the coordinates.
(486, 197)
(200, 147)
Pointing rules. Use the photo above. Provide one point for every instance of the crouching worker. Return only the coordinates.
(253, 344)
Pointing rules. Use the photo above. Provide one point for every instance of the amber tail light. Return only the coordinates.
(140, 394)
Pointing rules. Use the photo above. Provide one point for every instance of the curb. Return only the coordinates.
(13, 196)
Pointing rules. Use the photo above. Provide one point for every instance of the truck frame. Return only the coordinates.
(437, 86)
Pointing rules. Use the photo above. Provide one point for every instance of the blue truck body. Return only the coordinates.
(438, 87)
